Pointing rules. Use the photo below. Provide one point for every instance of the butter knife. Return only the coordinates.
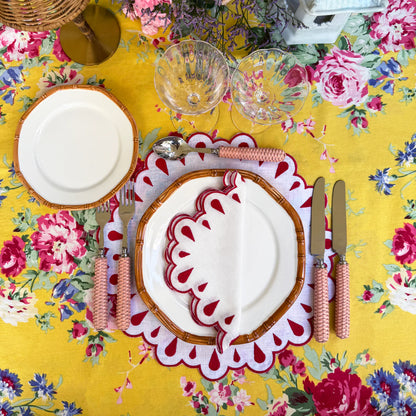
(342, 273)
(320, 301)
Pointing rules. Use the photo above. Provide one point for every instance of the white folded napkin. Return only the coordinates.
(204, 257)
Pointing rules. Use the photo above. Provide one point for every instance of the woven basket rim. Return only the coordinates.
(39, 15)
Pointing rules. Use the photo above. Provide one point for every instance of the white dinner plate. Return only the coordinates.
(273, 257)
(76, 146)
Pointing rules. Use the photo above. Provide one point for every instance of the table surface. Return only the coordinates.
(356, 125)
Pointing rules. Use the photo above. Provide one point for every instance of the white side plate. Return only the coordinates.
(76, 146)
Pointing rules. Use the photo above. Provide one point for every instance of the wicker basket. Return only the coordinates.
(39, 15)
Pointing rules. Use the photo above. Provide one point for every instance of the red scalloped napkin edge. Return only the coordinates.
(203, 257)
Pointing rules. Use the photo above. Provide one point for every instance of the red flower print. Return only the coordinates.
(367, 295)
(57, 49)
(375, 104)
(359, 122)
(341, 79)
(79, 330)
(341, 394)
(20, 44)
(395, 26)
(58, 242)
(295, 76)
(12, 257)
(299, 368)
(287, 358)
(404, 244)
(94, 349)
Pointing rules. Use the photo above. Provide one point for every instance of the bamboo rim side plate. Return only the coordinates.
(75, 147)
(274, 247)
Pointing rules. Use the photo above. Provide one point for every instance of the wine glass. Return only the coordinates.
(268, 87)
(191, 78)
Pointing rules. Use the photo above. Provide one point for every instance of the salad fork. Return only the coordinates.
(100, 318)
(126, 212)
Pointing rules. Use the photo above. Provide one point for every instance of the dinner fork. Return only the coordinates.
(100, 315)
(126, 212)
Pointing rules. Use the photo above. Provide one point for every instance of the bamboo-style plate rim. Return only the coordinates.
(275, 317)
(109, 194)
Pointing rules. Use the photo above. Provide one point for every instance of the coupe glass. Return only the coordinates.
(268, 87)
(191, 78)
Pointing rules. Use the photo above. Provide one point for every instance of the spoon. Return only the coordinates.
(175, 148)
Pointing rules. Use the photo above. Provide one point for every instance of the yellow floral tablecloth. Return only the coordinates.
(356, 125)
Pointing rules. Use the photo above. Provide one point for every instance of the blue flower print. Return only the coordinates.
(388, 87)
(406, 374)
(385, 386)
(6, 409)
(70, 409)
(408, 155)
(25, 412)
(10, 77)
(12, 170)
(10, 385)
(65, 312)
(383, 180)
(40, 387)
(387, 71)
(389, 67)
(404, 406)
(67, 292)
(64, 290)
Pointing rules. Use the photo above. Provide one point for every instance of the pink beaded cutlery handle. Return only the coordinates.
(100, 316)
(342, 300)
(320, 304)
(252, 153)
(123, 293)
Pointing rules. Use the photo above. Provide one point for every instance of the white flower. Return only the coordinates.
(401, 293)
(15, 308)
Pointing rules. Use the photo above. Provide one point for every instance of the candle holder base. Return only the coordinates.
(92, 37)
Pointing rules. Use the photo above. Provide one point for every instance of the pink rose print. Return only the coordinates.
(79, 330)
(287, 124)
(221, 394)
(367, 295)
(13, 257)
(58, 242)
(341, 394)
(295, 76)
(404, 244)
(152, 23)
(381, 309)
(242, 400)
(20, 44)
(279, 407)
(359, 122)
(340, 79)
(188, 387)
(199, 404)
(149, 4)
(299, 368)
(395, 26)
(286, 358)
(239, 376)
(375, 104)
(94, 349)
(58, 51)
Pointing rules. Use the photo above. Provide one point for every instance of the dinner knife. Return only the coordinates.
(342, 273)
(320, 301)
